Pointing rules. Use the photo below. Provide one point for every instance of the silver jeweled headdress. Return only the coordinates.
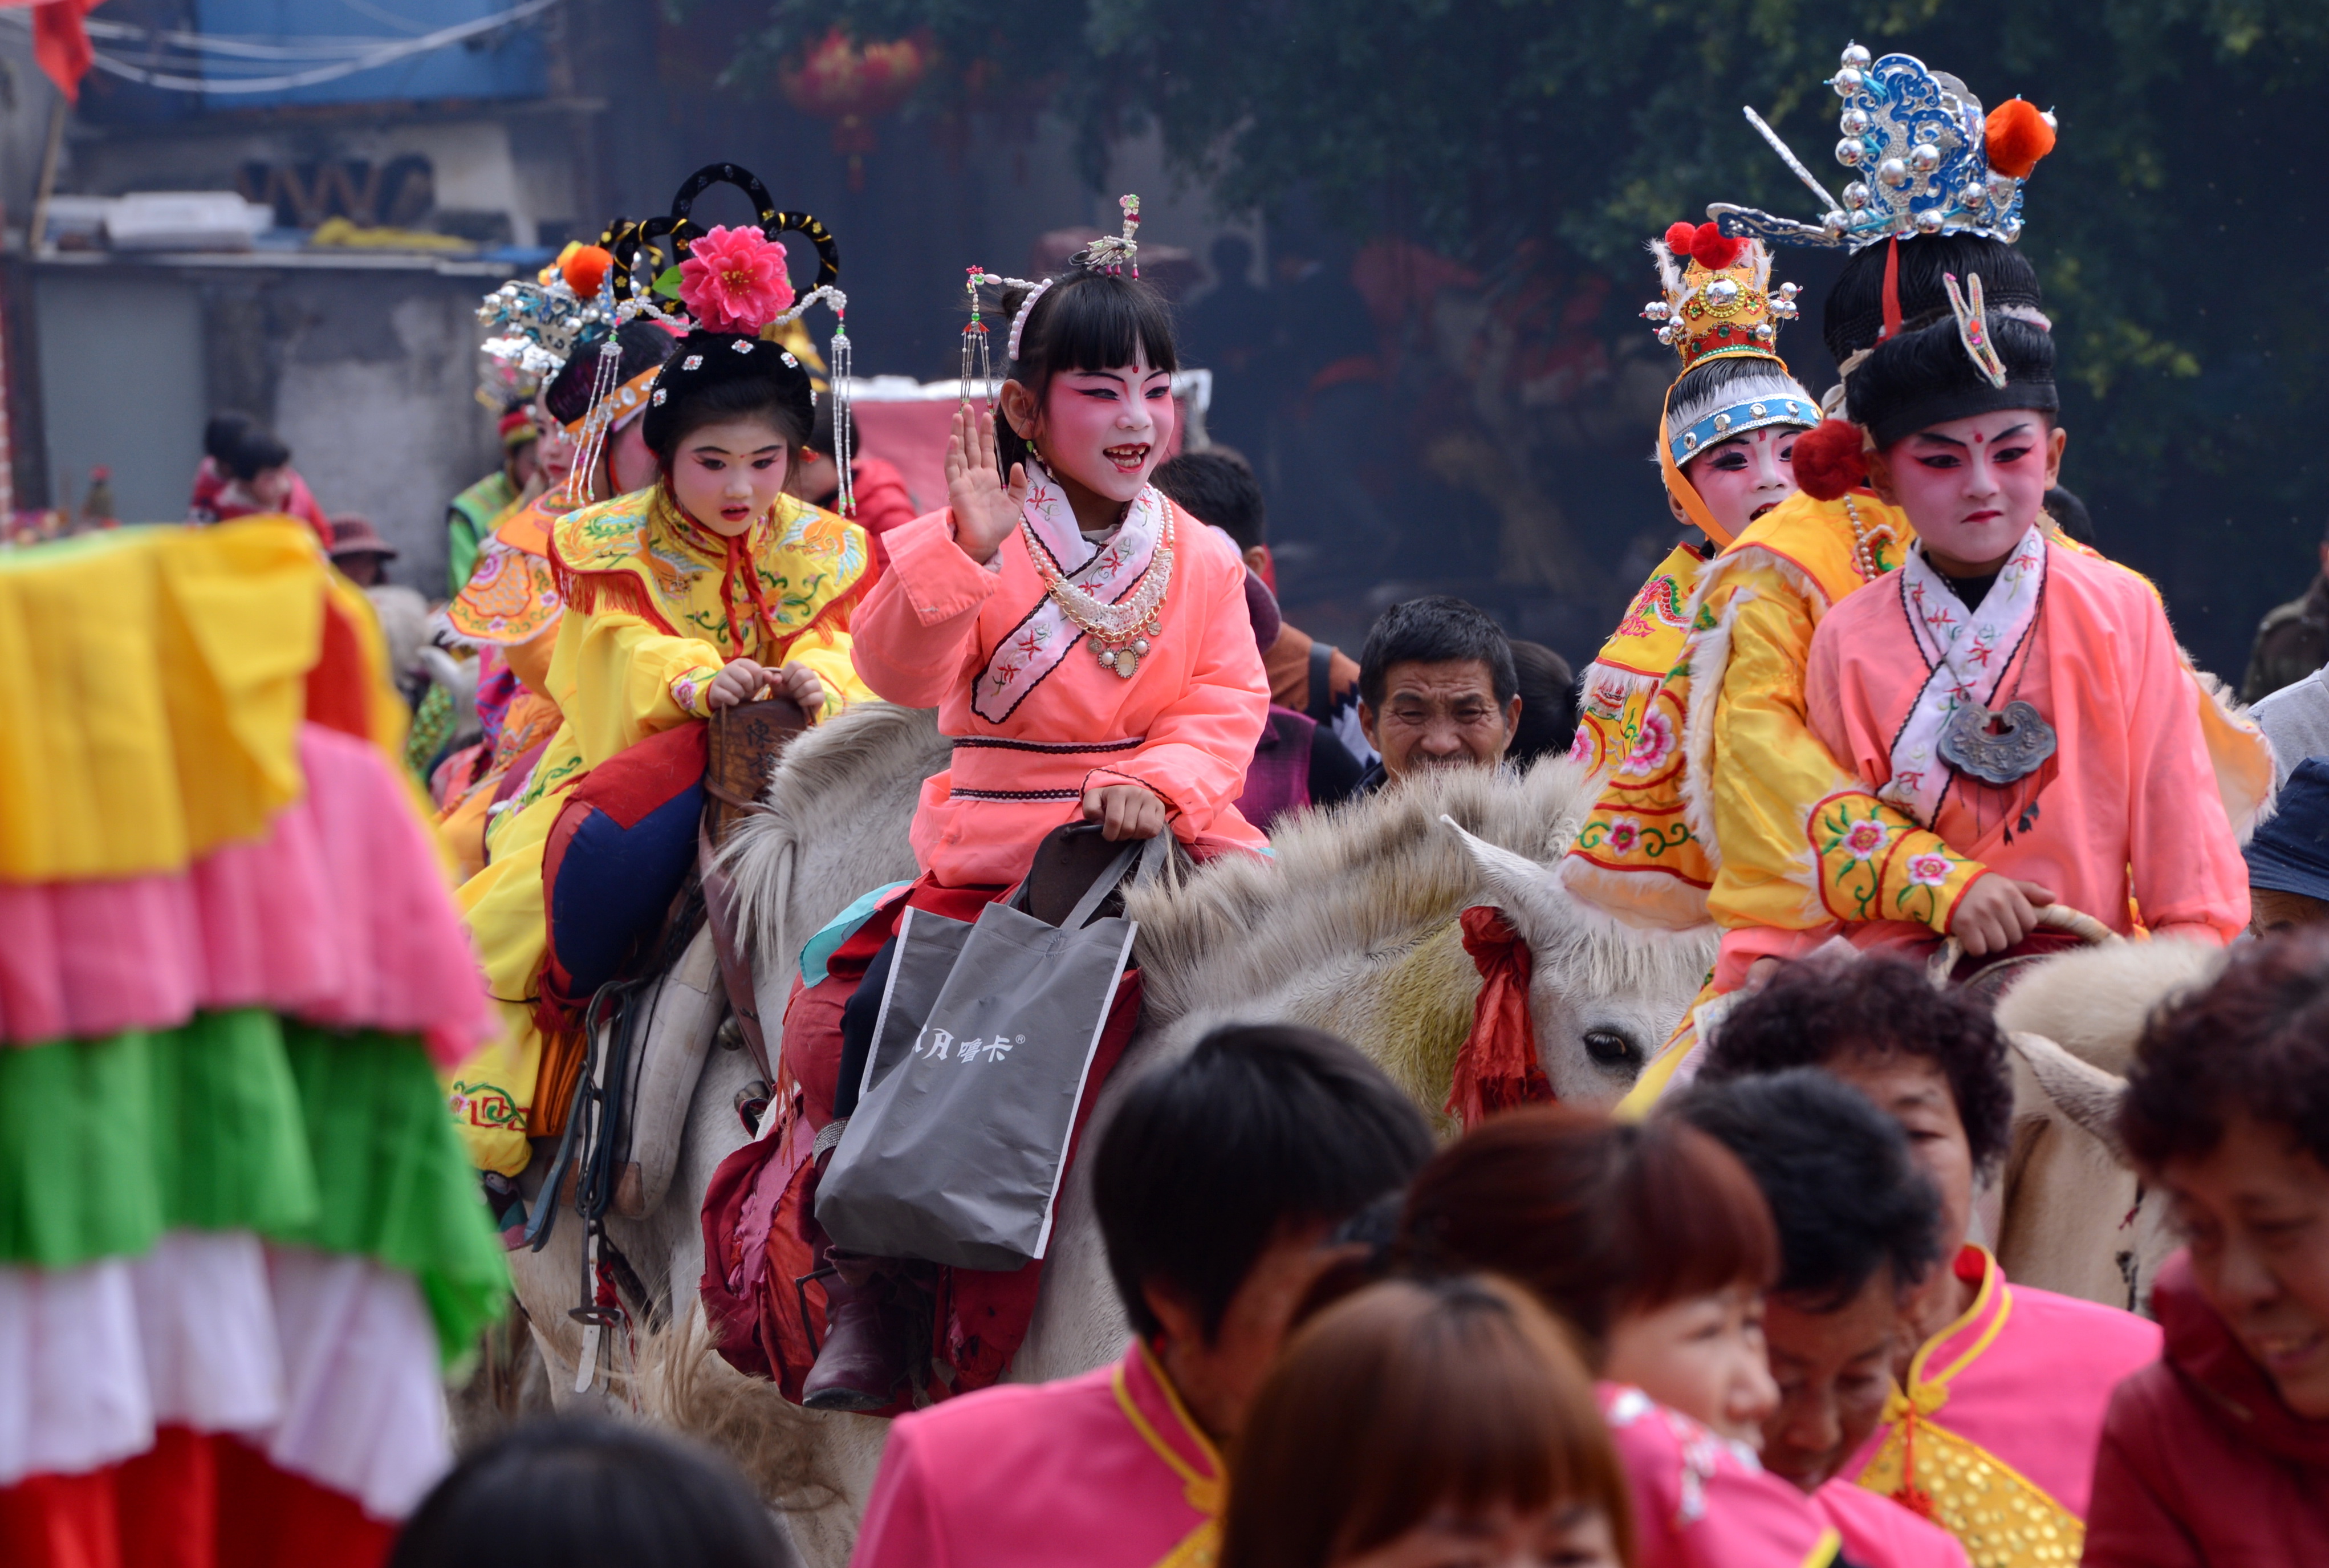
(1917, 144)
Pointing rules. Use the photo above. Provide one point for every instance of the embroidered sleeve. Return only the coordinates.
(1873, 864)
(1802, 841)
(691, 690)
(1637, 851)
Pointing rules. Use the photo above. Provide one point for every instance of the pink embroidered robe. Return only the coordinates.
(2130, 783)
(1185, 724)
(1995, 1434)
(1703, 1502)
(1105, 1470)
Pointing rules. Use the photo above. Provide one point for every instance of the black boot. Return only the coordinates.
(863, 1358)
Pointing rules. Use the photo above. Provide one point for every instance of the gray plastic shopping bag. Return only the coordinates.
(957, 1148)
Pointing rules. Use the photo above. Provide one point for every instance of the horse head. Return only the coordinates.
(1603, 995)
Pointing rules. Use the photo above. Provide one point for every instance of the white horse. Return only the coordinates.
(2073, 1216)
(1351, 927)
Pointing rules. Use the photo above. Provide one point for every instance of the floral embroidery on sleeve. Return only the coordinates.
(1875, 865)
(691, 690)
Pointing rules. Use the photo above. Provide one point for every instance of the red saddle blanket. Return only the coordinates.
(760, 1232)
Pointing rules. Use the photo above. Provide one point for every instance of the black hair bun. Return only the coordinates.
(1926, 378)
(732, 374)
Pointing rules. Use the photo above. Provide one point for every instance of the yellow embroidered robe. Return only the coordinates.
(647, 627)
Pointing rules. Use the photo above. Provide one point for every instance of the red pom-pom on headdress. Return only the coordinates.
(586, 269)
(1680, 238)
(1830, 461)
(1713, 249)
(2017, 135)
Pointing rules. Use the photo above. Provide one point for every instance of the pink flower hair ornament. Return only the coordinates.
(735, 280)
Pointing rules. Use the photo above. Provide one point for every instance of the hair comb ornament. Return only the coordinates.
(723, 279)
(1111, 255)
(1972, 326)
(1925, 161)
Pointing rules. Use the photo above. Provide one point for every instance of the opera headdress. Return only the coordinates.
(1924, 159)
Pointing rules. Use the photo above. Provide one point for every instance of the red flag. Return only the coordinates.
(1497, 1068)
(60, 42)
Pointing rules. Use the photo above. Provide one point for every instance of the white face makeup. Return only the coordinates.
(727, 476)
(1745, 477)
(1099, 431)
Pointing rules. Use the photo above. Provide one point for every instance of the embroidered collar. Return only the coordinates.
(1109, 570)
(1941, 1358)
(1968, 653)
(1187, 1452)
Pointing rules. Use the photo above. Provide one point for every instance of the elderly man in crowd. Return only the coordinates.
(1437, 689)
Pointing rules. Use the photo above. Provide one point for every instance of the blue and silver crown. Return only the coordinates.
(532, 329)
(1917, 144)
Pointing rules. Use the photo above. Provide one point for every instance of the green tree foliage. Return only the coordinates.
(2178, 228)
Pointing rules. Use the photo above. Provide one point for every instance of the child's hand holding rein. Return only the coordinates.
(743, 680)
(984, 511)
(1123, 810)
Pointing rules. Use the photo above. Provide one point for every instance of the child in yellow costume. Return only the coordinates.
(511, 604)
(1726, 448)
(696, 593)
(1767, 836)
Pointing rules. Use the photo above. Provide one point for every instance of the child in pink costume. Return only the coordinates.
(2020, 697)
(989, 610)
(1087, 648)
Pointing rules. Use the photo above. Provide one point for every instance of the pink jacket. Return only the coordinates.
(1701, 1502)
(2130, 783)
(2201, 1461)
(1105, 1470)
(1184, 725)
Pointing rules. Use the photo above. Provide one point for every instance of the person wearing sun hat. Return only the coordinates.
(699, 590)
(2288, 859)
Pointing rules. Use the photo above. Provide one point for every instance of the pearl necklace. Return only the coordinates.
(1863, 557)
(1116, 630)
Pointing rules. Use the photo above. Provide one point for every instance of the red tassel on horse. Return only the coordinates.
(1498, 1070)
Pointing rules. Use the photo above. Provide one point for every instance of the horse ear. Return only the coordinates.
(1518, 884)
(2086, 1094)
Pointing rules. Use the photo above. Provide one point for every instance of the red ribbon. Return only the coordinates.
(1497, 1068)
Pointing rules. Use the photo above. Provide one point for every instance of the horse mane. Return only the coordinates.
(823, 788)
(1374, 875)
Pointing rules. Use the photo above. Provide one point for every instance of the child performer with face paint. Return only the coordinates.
(2020, 697)
(1086, 642)
(701, 589)
(1758, 828)
(1087, 647)
(1726, 452)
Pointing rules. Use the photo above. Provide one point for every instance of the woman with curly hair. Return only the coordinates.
(2218, 1452)
(1992, 1430)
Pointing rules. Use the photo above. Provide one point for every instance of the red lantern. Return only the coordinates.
(851, 84)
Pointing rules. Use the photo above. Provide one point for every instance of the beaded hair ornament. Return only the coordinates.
(1110, 253)
(1925, 161)
(718, 279)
